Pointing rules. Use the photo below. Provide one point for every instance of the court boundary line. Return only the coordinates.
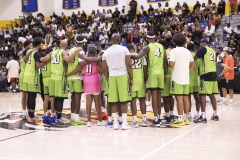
(17, 136)
(181, 135)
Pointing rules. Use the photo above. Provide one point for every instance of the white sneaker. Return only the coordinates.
(89, 124)
(190, 117)
(115, 126)
(230, 104)
(195, 117)
(126, 126)
(135, 124)
(222, 102)
(147, 103)
(101, 123)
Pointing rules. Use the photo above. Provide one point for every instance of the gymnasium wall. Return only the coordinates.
(12, 9)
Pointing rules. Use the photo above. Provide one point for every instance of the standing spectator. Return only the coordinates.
(133, 6)
(233, 6)
(228, 74)
(3, 59)
(3, 78)
(221, 7)
(197, 5)
(13, 70)
(103, 39)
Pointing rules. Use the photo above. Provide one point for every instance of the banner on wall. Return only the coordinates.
(29, 5)
(71, 4)
(156, 0)
(108, 2)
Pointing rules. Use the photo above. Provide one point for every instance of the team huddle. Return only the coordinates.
(122, 76)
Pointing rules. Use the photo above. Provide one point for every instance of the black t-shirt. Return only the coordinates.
(117, 13)
(37, 56)
(211, 76)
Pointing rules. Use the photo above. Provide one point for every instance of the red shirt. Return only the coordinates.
(233, 1)
(229, 74)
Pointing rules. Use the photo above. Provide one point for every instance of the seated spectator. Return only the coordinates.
(136, 39)
(60, 33)
(103, 39)
(166, 34)
(227, 29)
(209, 32)
(205, 38)
(234, 47)
(175, 19)
(177, 12)
(151, 14)
(143, 18)
(143, 30)
(203, 24)
(211, 20)
(29, 36)
(237, 31)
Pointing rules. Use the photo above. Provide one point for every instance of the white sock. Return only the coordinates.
(224, 99)
(24, 112)
(185, 116)
(120, 119)
(134, 118)
(221, 98)
(76, 117)
(109, 119)
(53, 114)
(167, 114)
(115, 117)
(197, 113)
(203, 114)
(46, 114)
(144, 117)
(103, 109)
(231, 100)
(156, 118)
(171, 113)
(180, 118)
(72, 115)
(214, 113)
(49, 111)
(124, 118)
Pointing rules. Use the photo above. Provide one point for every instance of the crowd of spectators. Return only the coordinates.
(200, 23)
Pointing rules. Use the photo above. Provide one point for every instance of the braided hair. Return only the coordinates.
(92, 50)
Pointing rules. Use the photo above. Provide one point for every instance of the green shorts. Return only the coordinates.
(56, 89)
(167, 86)
(106, 88)
(155, 82)
(193, 89)
(75, 85)
(138, 94)
(103, 83)
(209, 87)
(46, 81)
(31, 87)
(119, 89)
(178, 89)
(21, 81)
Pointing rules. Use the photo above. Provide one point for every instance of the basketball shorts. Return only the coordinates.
(228, 84)
(119, 89)
(92, 84)
(193, 89)
(208, 87)
(75, 85)
(178, 89)
(11, 80)
(138, 94)
(104, 83)
(167, 86)
(57, 88)
(46, 81)
(31, 87)
(155, 82)
(106, 88)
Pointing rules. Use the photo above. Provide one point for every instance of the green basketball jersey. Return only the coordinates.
(58, 65)
(22, 64)
(31, 73)
(73, 64)
(194, 74)
(208, 63)
(169, 72)
(100, 53)
(46, 70)
(138, 74)
(155, 57)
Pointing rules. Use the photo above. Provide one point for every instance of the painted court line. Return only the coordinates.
(176, 138)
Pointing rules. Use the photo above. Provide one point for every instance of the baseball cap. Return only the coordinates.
(219, 47)
(227, 49)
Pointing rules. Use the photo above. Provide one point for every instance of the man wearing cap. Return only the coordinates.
(75, 82)
(157, 71)
(208, 80)
(228, 74)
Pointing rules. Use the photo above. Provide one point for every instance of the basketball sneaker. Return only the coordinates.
(52, 119)
(126, 126)
(135, 124)
(101, 123)
(230, 104)
(61, 121)
(120, 123)
(147, 103)
(24, 117)
(33, 120)
(45, 119)
(144, 123)
(223, 102)
(109, 124)
(177, 123)
(215, 118)
(116, 126)
(89, 124)
(200, 120)
(169, 119)
(73, 122)
(195, 117)
(190, 117)
(156, 123)
(186, 121)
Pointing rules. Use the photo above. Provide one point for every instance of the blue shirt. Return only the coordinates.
(144, 18)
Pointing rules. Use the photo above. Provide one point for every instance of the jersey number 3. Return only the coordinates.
(158, 52)
(55, 59)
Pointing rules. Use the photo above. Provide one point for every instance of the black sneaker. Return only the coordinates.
(156, 123)
(200, 120)
(215, 118)
(174, 117)
(170, 119)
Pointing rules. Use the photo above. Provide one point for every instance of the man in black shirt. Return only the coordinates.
(150, 8)
(116, 12)
(133, 6)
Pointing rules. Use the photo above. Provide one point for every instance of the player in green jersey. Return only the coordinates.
(168, 101)
(75, 83)
(139, 67)
(27, 45)
(208, 80)
(194, 84)
(31, 78)
(58, 82)
(157, 72)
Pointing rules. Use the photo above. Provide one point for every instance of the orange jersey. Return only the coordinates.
(229, 74)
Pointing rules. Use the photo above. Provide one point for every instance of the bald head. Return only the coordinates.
(64, 44)
(116, 39)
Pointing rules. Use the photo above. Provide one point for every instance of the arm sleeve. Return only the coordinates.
(201, 52)
(37, 56)
(172, 56)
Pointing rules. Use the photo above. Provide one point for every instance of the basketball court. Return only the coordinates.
(22, 141)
